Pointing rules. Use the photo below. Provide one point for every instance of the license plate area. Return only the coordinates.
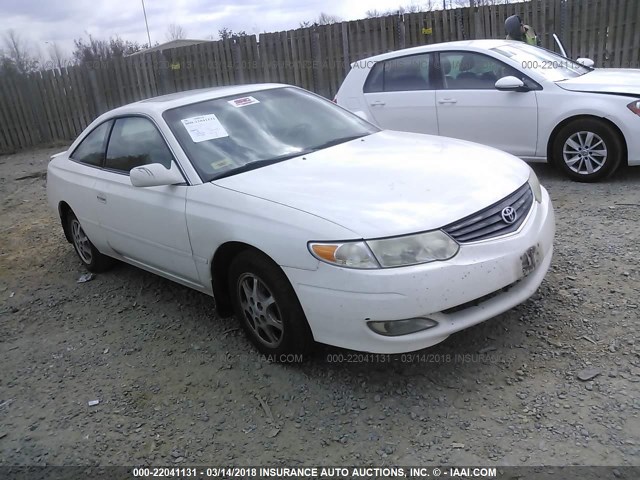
(530, 259)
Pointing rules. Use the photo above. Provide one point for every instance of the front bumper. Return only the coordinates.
(338, 302)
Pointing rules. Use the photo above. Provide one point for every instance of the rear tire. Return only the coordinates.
(587, 150)
(89, 255)
(267, 307)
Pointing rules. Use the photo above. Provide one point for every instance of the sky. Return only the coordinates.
(42, 22)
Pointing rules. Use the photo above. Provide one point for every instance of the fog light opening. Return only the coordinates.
(395, 328)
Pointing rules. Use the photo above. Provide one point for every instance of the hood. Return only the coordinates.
(606, 80)
(389, 183)
(512, 27)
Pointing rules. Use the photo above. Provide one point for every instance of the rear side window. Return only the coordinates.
(135, 141)
(402, 74)
(91, 149)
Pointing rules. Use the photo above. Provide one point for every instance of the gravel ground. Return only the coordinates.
(552, 382)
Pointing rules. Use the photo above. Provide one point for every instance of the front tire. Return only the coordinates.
(587, 150)
(266, 305)
(89, 255)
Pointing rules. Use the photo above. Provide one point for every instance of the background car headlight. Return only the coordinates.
(534, 183)
(345, 254)
(414, 249)
(634, 107)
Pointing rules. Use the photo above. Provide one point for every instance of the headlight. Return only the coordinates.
(344, 254)
(387, 252)
(414, 249)
(634, 107)
(534, 183)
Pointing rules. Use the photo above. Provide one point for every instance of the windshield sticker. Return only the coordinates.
(204, 127)
(243, 102)
(225, 162)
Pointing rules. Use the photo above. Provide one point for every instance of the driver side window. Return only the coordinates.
(135, 141)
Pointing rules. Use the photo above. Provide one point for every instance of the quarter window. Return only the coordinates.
(400, 75)
(135, 141)
(91, 149)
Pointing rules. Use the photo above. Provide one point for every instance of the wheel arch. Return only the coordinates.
(63, 210)
(220, 264)
(573, 118)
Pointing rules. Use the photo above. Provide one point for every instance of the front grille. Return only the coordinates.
(488, 223)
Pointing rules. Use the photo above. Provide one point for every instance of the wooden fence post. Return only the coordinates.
(401, 32)
(98, 96)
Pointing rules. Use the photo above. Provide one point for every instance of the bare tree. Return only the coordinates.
(17, 54)
(428, 6)
(225, 33)
(56, 55)
(327, 19)
(323, 19)
(175, 32)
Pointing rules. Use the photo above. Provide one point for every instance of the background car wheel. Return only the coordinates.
(89, 255)
(587, 150)
(267, 306)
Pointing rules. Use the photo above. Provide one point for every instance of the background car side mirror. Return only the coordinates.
(511, 84)
(155, 175)
(587, 62)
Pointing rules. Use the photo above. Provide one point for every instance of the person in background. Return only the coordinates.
(517, 30)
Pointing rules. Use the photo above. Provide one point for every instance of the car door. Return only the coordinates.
(146, 225)
(81, 195)
(400, 94)
(471, 108)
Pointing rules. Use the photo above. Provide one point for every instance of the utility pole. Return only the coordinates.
(146, 23)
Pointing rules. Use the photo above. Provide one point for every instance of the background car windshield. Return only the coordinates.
(552, 66)
(231, 132)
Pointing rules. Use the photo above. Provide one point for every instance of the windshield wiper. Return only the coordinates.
(337, 141)
(257, 164)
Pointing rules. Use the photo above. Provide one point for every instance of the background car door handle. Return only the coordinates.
(445, 101)
(378, 103)
(101, 198)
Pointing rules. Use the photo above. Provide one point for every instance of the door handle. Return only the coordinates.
(378, 103)
(446, 101)
(101, 198)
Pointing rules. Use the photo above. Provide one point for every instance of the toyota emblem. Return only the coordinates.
(509, 215)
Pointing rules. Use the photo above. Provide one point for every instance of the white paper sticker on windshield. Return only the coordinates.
(204, 127)
(243, 102)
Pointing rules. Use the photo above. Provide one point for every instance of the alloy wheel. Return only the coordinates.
(260, 310)
(81, 241)
(584, 152)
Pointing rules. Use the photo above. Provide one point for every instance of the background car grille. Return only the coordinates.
(488, 223)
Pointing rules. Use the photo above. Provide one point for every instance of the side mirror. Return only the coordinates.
(587, 62)
(155, 175)
(511, 84)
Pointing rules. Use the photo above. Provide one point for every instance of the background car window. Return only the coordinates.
(135, 141)
(399, 75)
(407, 74)
(375, 80)
(91, 149)
(469, 70)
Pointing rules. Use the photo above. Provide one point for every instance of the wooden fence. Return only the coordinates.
(56, 105)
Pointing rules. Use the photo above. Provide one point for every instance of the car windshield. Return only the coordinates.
(545, 62)
(242, 132)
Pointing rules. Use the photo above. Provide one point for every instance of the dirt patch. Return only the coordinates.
(175, 385)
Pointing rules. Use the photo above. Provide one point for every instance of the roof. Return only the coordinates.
(180, 42)
(165, 102)
(464, 44)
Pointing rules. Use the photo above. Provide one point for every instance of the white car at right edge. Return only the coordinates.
(522, 99)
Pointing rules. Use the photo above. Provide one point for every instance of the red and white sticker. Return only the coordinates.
(243, 102)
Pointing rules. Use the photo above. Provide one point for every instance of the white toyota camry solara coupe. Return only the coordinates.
(522, 99)
(302, 219)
